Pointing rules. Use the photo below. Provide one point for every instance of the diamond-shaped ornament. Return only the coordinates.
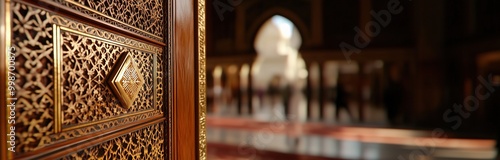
(126, 80)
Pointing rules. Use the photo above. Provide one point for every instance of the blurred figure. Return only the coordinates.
(274, 90)
(217, 90)
(279, 91)
(393, 95)
(233, 90)
(295, 104)
(341, 100)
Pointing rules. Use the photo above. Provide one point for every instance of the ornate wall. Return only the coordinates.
(89, 79)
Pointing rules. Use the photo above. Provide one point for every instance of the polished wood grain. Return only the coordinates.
(183, 131)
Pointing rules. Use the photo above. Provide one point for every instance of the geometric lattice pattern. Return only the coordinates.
(144, 17)
(126, 81)
(87, 66)
(86, 97)
(32, 38)
(143, 144)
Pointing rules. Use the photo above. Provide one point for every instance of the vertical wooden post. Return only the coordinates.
(183, 110)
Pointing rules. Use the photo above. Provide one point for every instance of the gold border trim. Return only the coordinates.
(58, 118)
(201, 82)
(106, 40)
(155, 76)
(109, 17)
(106, 120)
(89, 29)
(168, 54)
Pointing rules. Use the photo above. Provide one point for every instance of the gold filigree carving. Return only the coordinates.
(146, 143)
(145, 17)
(72, 133)
(159, 96)
(169, 70)
(202, 109)
(86, 57)
(126, 81)
(87, 62)
(97, 33)
(32, 38)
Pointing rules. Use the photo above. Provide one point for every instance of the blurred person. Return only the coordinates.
(233, 90)
(393, 95)
(341, 100)
(295, 104)
(274, 90)
(286, 95)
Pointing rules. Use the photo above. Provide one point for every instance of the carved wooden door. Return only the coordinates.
(90, 79)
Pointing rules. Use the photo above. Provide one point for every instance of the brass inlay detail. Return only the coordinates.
(110, 41)
(145, 17)
(170, 35)
(58, 91)
(32, 36)
(145, 143)
(109, 17)
(96, 58)
(202, 109)
(107, 120)
(126, 85)
(126, 81)
(155, 84)
(55, 66)
(82, 129)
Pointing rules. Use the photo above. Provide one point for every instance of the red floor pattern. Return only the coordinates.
(219, 151)
(362, 134)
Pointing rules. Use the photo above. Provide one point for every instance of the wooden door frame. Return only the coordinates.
(186, 79)
(187, 98)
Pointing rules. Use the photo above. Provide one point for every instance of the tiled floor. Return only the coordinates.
(239, 138)
(267, 135)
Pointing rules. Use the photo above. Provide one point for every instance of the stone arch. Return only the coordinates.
(265, 16)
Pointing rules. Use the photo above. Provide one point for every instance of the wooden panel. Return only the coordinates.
(86, 97)
(183, 91)
(67, 51)
(187, 114)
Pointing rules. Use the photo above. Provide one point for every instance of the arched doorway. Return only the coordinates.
(279, 72)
